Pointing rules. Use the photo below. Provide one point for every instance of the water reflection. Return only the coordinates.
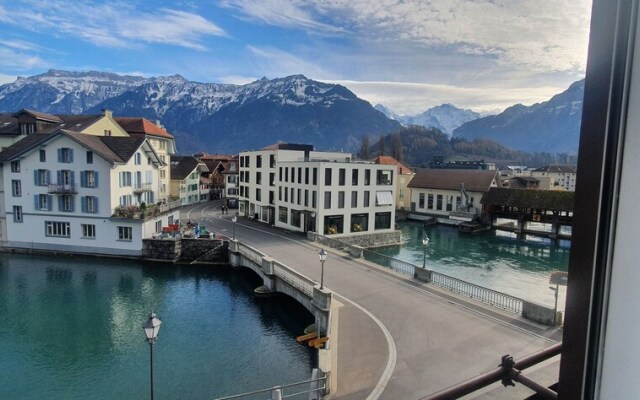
(495, 259)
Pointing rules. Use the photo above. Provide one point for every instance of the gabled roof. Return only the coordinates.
(37, 115)
(116, 150)
(557, 168)
(8, 125)
(388, 160)
(182, 166)
(76, 123)
(135, 125)
(474, 180)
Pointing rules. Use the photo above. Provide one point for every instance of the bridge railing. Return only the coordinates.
(312, 388)
(485, 295)
(293, 278)
(251, 253)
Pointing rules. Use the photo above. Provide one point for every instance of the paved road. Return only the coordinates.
(397, 339)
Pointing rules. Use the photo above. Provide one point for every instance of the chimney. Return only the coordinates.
(107, 113)
(158, 124)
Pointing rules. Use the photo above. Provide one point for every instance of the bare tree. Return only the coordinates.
(364, 148)
(382, 145)
(396, 146)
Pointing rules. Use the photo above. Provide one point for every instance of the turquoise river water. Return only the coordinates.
(71, 328)
(497, 260)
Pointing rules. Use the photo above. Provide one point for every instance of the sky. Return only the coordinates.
(408, 55)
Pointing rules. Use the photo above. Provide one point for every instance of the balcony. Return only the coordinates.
(144, 212)
(142, 187)
(63, 189)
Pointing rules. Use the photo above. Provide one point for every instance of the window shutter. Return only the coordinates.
(71, 178)
(36, 201)
(35, 177)
(47, 176)
(83, 203)
(120, 178)
(83, 178)
(59, 155)
(59, 173)
(60, 204)
(95, 204)
(70, 155)
(49, 202)
(95, 179)
(72, 203)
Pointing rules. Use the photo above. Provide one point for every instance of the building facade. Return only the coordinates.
(186, 183)
(297, 188)
(69, 191)
(404, 176)
(561, 176)
(453, 194)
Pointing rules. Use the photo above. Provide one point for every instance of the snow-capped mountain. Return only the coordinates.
(445, 117)
(552, 126)
(209, 116)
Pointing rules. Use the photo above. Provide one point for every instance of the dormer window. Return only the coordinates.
(107, 132)
(27, 128)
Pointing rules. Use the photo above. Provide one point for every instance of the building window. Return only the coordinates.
(341, 199)
(163, 145)
(89, 179)
(333, 224)
(421, 201)
(65, 177)
(43, 202)
(299, 174)
(449, 203)
(258, 178)
(272, 179)
(27, 128)
(258, 195)
(88, 231)
(17, 213)
(295, 218)
(366, 198)
(367, 177)
(282, 214)
(57, 229)
(286, 195)
(272, 161)
(354, 177)
(327, 200)
(402, 195)
(107, 132)
(42, 177)
(65, 155)
(15, 166)
(16, 188)
(89, 157)
(258, 161)
(125, 178)
(306, 198)
(292, 192)
(341, 176)
(359, 222)
(384, 177)
(125, 233)
(137, 159)
(383, 220)
(327, 176)
(430, 202)
(293, 175)
(314, 199)
(89, 204)
(43, 156)
(315, 176)
(354, 199)
(65, 203)
(439, 202)
(163, 174)
(299, 197)
(306, 175)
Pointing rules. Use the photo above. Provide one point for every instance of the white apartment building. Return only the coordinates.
(293, 187)
(73, 192)
(450, 193)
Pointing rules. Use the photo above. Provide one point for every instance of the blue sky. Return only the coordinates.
(408, 55)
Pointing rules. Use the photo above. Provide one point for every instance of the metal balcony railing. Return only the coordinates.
(62, 189)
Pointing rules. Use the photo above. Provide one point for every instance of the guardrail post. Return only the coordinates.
(422, 274)
(322, 304)
(276, 393)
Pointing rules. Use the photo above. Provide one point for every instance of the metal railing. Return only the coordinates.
(293, 278)
(316, 387)
(483, 294)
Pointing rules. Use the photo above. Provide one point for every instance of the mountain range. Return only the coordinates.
(226, 118)
(219, 118)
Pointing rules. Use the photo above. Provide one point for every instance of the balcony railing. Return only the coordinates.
(150, 211)
(142, 187)
(63, 189)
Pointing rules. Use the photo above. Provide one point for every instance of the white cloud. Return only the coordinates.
(237, 79)
(413, 98)
(18, 60)
(6, 79)
(113, 24)
(272, 63)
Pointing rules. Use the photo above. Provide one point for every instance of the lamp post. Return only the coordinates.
(425, 243)
(234, 219)
(151, 328)
(323, 256)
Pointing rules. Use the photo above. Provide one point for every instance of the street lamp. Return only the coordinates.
(151, 328)
(425, 243)
(234, 219)
(323, 256)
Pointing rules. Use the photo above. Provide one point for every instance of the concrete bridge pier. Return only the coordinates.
(234, 253)
(321, 303)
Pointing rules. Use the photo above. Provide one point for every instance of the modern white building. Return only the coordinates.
(450, 193)
(294, 187)
(73, 192)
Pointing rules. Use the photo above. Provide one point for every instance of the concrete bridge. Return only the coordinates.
(392, 337)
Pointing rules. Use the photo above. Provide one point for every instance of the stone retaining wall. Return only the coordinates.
(372, 240)
(186, 249)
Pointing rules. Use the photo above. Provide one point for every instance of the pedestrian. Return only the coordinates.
(222, 209)
(226, 209)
